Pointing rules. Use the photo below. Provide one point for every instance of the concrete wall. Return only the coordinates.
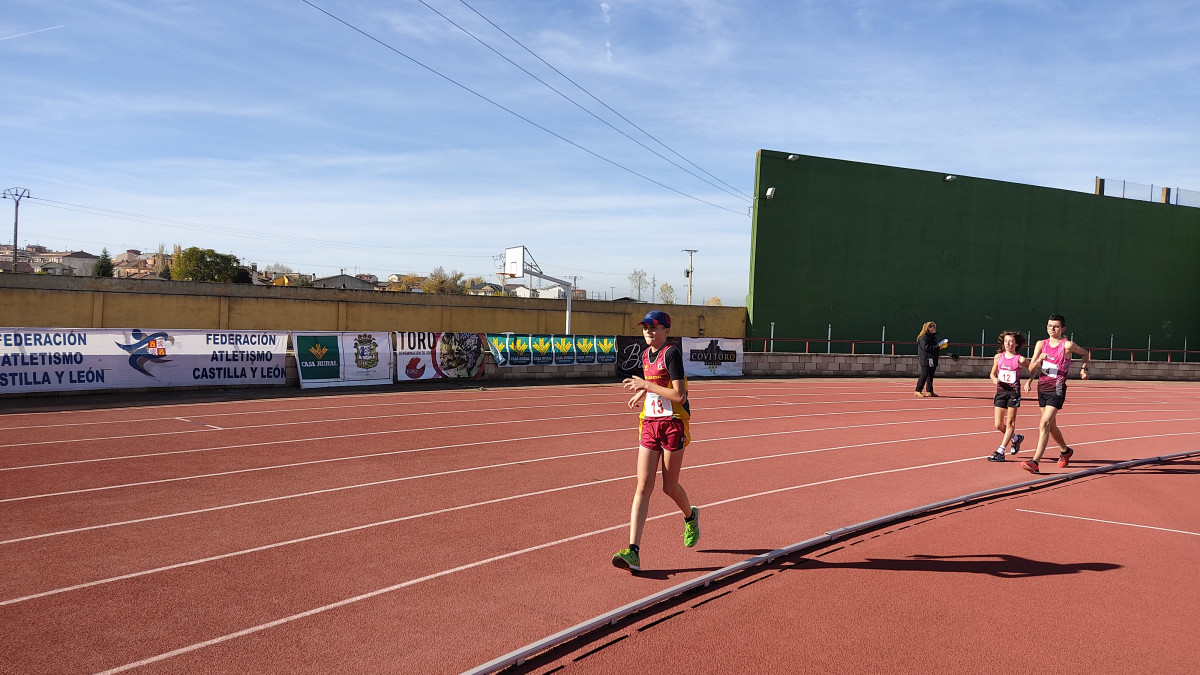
(45, 301)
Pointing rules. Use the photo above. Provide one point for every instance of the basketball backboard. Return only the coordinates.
(514, 261)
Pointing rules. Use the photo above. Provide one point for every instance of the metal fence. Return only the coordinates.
(985, 347)
(1111, 187)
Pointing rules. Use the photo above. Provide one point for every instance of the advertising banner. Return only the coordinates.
(561, 350)
(367, 357)
(542, 346)
(427, 356)
(585, 349)
(498, 345)
(318, 359)
(720, 357)
(629, 354)
(606, 349)
(65, 359)
(343, 359)
(564, 350)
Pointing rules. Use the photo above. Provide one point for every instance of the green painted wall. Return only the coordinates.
(862, 246)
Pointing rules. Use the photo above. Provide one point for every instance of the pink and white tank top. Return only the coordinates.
(1054, 368)
(1008, 371)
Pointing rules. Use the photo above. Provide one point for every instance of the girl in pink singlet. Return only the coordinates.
(1006, 375)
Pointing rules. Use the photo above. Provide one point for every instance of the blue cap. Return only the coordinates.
(656, 318)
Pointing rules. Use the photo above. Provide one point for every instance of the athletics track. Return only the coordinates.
(434, 530)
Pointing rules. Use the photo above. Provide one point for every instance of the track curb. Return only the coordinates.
(519, 656)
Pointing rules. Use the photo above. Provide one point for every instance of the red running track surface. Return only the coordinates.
(432, 531)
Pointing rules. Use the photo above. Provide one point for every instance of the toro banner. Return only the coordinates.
(720, 357)
(343, 359)
(427, 356)
(63, 359)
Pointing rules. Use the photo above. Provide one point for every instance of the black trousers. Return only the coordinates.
(925, 379)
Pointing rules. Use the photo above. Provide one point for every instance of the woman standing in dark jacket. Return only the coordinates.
(928, 350)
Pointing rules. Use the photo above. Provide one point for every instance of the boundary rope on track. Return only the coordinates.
(519, 656)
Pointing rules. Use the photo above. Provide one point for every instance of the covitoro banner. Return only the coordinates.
(66, 359)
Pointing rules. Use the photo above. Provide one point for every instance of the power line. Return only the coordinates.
(576, 104)
(584, 90)
(512, 112)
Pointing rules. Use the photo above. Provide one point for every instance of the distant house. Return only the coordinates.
(80, 261)
(129, 256)
(23, 267)
(54, 268)
(484, 288)
(291, 279)
(552, 293)
(343, 281)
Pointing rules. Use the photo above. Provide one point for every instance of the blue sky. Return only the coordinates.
(269, 130)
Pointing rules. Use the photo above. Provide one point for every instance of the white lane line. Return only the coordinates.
(624, 411)
(546, 419)
(591, 398)
(478, 468)
(478, 563)
(296, 464)
(624, 414)
(328, 460)
(311, 493)
(1110, 522)
(539, 493)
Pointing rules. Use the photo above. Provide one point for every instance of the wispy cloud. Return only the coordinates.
(32, 32)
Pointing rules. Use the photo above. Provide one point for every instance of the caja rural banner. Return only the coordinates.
(427, 356)
(712, 357)
(63, 359)
(343, 359)
(546, 350)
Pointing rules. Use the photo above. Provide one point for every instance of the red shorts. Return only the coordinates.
(664, 433)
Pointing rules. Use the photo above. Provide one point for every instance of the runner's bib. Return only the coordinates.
(1008, 376)
(656, 406)
(1049, 369)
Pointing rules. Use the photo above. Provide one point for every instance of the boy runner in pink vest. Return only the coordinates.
(1051, 362)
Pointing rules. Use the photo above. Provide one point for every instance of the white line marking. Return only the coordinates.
(478, 563)
(536, 493)
(1110, 522)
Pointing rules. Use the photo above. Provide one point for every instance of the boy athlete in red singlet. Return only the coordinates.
(1006, 375)
(662, 395)
(1051, 362)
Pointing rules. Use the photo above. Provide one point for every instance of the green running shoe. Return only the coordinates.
(691, 528)
(627, 559)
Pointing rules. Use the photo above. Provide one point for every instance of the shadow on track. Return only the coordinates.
(993, 564)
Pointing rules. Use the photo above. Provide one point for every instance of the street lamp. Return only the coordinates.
(688, 272)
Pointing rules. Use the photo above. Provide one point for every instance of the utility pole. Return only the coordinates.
(653, 289)
(688, 272)
(574, 282)
(15, 194)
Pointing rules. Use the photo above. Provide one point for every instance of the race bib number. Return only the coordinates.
(1049, 369)
(1008, 376)
(930, 362)
(656, 406)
